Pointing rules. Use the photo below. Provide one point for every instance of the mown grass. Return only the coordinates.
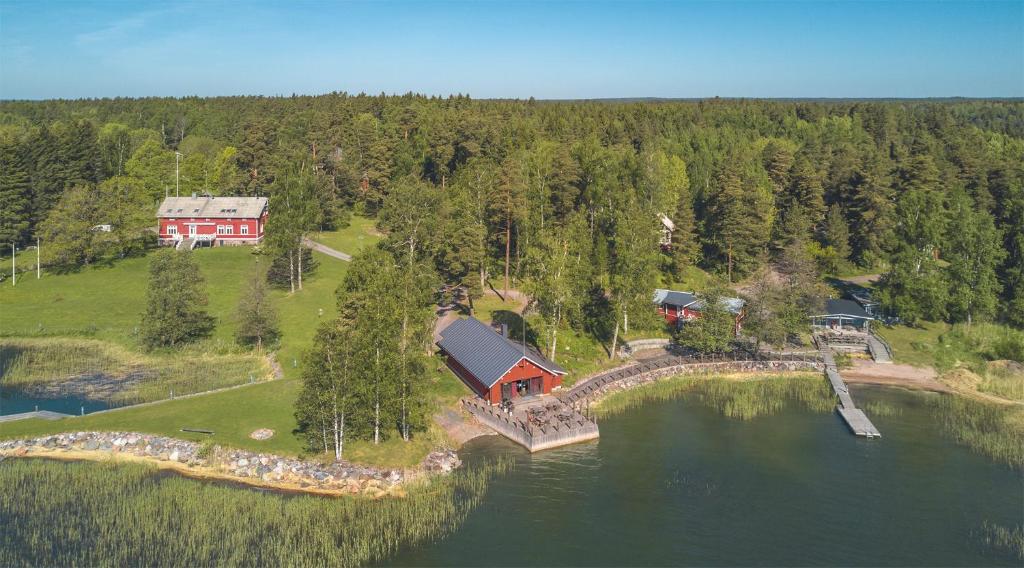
(995, 430)
(129, 515)
(106, 371)
(360, 233)
(743, 398)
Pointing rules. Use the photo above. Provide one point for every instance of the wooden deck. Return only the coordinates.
(854, 417)
(42, 414)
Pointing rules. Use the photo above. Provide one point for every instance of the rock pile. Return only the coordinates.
(238, 464)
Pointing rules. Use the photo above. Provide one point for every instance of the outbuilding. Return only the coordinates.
(189, 221)
(842, 313)
(495, 367)
(679, 307)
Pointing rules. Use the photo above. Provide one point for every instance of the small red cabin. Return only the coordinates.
(679, 307)
(495, 367)
(215, 221)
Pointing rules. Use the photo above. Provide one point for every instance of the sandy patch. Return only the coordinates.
(906, 376)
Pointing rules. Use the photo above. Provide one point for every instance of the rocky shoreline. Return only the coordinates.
(202, 460)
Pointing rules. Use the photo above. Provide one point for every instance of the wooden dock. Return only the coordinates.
(42, 414)
(854, 417)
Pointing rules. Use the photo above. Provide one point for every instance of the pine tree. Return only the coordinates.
(256, 316)
(738, 222)
(15, 194)
(175, 302)
(836, 234)
(46, 173)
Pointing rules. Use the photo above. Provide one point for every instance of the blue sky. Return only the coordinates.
(513, 49)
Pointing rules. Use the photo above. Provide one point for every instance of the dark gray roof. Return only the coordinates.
(485, 353)
(688, 299)
(674, 298)
(846, 308)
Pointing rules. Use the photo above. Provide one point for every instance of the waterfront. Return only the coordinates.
(675, 483)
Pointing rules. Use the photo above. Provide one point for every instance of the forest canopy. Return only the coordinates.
(563, 196)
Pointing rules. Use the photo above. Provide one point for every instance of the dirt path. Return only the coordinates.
(326, 250)
(460, 426)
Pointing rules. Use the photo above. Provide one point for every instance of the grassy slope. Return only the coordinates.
(358, 235)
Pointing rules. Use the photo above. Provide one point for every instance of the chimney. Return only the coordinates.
(504, 330)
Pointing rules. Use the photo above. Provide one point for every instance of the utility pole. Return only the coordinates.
(14, 268)
(39, 266)
(177, 186)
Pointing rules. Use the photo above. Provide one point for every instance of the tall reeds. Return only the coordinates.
(64, 514)
(104, 371)
(743, 399)
(995, 430)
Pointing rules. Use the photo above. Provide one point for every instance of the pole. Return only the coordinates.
(39, 267)
(177, 186)
(14, 268)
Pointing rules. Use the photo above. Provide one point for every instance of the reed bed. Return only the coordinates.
(743, 399)
(101, 370)
(994, 430)
(881, 408)
(69, 514)
(1008, 541)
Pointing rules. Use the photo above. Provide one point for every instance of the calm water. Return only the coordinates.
(16, 402)
(675, 483)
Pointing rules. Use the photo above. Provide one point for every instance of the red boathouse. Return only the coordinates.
(495, 367)
(213, 221)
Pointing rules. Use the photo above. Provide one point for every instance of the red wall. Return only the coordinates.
(669, 312)
(256, 227)
(525, 369)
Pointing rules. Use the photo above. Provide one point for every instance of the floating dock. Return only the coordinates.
(43, 414)
(854, 417)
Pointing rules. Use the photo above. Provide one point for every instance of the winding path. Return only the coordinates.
(326, 250)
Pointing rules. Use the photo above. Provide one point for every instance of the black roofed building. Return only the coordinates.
(842, 313)
(495, 367)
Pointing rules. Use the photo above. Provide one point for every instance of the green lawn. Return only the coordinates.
(360, 234)
(913, 345)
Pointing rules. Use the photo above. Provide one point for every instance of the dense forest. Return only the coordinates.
(931, 194)
(563, 201)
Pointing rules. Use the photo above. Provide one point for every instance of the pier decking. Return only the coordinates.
(854, 417)
(43, 414)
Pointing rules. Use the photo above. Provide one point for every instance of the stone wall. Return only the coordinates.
(237, 465)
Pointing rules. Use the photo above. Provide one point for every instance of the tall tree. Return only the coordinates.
(973, 251)
(175, 301)
(256, 317)
(15, 193)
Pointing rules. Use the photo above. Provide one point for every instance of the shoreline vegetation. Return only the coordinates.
(120, 515)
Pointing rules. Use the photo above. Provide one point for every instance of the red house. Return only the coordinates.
(495, 367)
(679, 307)
(187, 222)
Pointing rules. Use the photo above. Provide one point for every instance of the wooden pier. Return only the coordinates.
(42, 414)
(854, 417)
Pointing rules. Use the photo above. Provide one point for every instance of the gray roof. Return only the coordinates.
(485, 353)
(213, 207)
(688, 299)
(681, 299)
(846, 308)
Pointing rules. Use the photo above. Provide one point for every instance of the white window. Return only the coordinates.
(172, 229)
(220, 229)
(245, 229)
(229, 229)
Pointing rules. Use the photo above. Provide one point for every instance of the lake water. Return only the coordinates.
(675, 483)
(15, 402)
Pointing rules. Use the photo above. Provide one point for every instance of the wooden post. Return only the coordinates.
(39, 267)
(14, 268)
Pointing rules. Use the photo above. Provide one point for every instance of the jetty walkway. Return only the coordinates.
(43, 414)
(854, 417)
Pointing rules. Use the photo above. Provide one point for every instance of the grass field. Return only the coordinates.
(360, 234)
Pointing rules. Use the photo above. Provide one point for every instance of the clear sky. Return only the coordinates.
(491, 49)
